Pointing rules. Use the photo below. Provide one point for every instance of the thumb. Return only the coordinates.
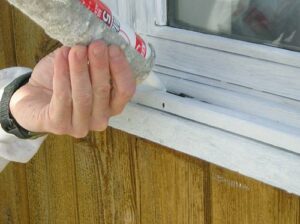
(28, 106)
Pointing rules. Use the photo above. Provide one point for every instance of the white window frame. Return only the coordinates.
(244, 96)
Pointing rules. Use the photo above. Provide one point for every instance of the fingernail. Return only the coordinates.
(114, 51)
(81, 53)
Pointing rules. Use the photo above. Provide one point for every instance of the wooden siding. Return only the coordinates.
(114, 177)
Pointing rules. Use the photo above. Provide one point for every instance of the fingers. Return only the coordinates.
(60, 108)
(101, 87)
(81, 90)
(124, 85)
(86, 95)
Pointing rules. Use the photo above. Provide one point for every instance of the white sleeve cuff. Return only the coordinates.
(9, 74)
(11, 147)
(15, 149)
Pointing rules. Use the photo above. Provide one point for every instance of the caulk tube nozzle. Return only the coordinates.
(153, 81)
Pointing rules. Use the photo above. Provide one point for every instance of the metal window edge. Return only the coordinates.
(146, 118)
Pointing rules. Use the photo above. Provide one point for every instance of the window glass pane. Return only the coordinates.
(272, 22)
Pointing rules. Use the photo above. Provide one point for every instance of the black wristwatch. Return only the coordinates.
(8, 123)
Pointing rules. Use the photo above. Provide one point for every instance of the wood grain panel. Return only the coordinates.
(171, 186)
(94, 174)
(61, 183)
(126, 186)
(88, 184)
(7, 48)
(238, 199)
(116, 178)
(32, 43)
(13, 195)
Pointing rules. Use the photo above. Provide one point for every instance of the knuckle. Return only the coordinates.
(98, 46)
(117, 111)
(59, 132)
(121, 65)
(80, 134)
(62, 51)
(127, 93)
(72, 53)
(99, 124)
(78, 56)
(65, 97)
(60, 129)
(133, 89)
(84, 99)
(58, 125)
(77, 48)
(103, 90)
(57, 52)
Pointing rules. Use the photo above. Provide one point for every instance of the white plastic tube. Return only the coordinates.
(81, 21)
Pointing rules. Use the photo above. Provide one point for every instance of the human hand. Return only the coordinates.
(75, 90)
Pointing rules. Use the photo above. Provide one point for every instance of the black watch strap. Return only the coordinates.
(8, 123)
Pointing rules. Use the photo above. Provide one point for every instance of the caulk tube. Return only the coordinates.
(104, 13)
(81, 21)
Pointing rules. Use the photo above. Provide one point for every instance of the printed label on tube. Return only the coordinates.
(108, 17)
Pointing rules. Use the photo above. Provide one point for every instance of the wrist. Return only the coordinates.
(8, 122)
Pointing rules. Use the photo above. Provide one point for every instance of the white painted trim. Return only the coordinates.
(280, 110)
(179, 78)
(265, 163)
(254, 127)
(258, 51)
(161, 12)
(263, 76)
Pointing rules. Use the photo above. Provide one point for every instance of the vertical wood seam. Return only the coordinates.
(7, 34)
(299, 212)
(188, 193)
(13, 39)
(75, 185)
(110, 149)
(134, 178)
(139, 176)
(48, 190)
(98, 179)
(207, 188)
(27, 194)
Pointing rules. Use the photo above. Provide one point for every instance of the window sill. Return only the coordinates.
(252, 147)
